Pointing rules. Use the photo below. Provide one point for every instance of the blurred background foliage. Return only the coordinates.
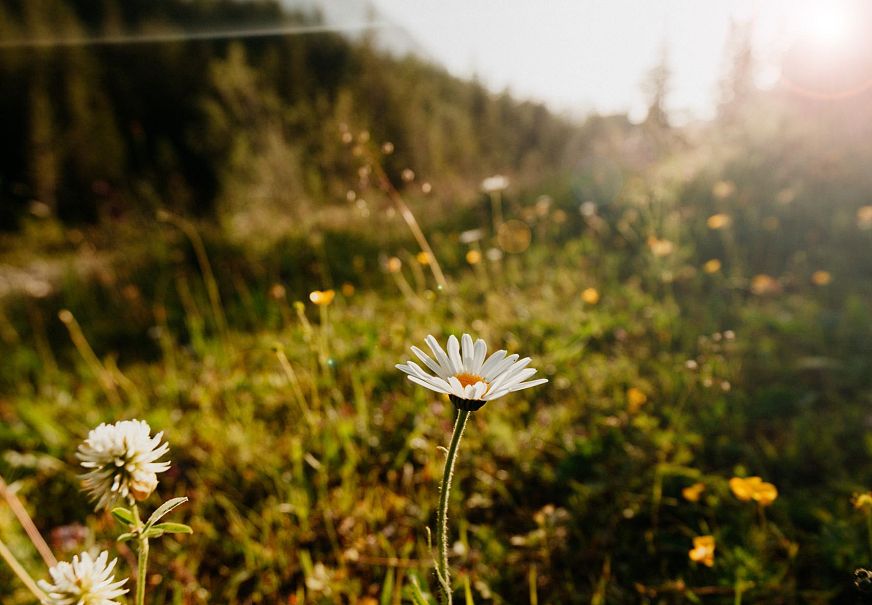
(699, 297)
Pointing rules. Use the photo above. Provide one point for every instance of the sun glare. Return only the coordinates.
(828, 25)
(828, 54)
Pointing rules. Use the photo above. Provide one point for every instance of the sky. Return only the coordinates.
(584, 55)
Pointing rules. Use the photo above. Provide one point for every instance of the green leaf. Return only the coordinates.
(152, 533)
(125, 537)
(123, 516)
(467, 591)
(387, 591)
(415, 593)
(163, 509)
(174, 528)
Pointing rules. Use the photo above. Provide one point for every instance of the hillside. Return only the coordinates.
(238, 239)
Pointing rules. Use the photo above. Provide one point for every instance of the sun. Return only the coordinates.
(828, 24)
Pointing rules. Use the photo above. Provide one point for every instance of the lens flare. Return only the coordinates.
(828, 24)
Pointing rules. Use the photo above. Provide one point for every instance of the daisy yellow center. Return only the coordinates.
(468, 379)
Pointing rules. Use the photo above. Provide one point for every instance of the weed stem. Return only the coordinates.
(869, 529)
(19, 571)
(27, 523)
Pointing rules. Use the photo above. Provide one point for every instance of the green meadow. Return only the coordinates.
(698, 298)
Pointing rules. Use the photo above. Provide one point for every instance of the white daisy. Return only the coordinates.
(123, 458)
(85, 581)
(465, 376)
(495, 183)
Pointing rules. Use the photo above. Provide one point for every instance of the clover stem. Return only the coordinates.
(442, 513)
(141, 558)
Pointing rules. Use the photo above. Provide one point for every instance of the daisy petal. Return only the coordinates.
(417, 371)
(434, 380)
(492, 361)
(429, 362)
(478, 356)
(441, 357)
(403, 368)
(456, 387)
(467, 352)
(513, 369)
(517, 378)
(527, 385)
(427, 385)
(501, 367)
(494, 395)
(509, 373)
(454, 354)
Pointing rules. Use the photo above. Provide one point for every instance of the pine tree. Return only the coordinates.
(656, 86)
(737, 86)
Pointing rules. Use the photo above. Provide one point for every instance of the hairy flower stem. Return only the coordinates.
(442, 513)
(141, 559)
(19, 571)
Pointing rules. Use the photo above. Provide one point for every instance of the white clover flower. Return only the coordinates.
(465, 376)
(85, 581)
(123, 458)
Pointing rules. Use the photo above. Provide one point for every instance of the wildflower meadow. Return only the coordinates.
(295, 320)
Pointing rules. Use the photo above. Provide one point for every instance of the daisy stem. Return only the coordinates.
(496, 199)
(442, 513)
(19, 571)
(141, 560)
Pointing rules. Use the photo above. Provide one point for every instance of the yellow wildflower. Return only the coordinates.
(863, 502)
(692, 493)
(754, 488)
(712, 266)
(394, 264)
(322, 297)
(703, 550)
(864, 217)
(765, 494)
(723, 189)
(821, 278)
(743, 488)
(636, 398)
(590, 296)
(473, 257)
(718, 221)
(660, 247)
(763, 284)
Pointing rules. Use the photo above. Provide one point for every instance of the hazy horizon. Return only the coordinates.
(575, 58)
